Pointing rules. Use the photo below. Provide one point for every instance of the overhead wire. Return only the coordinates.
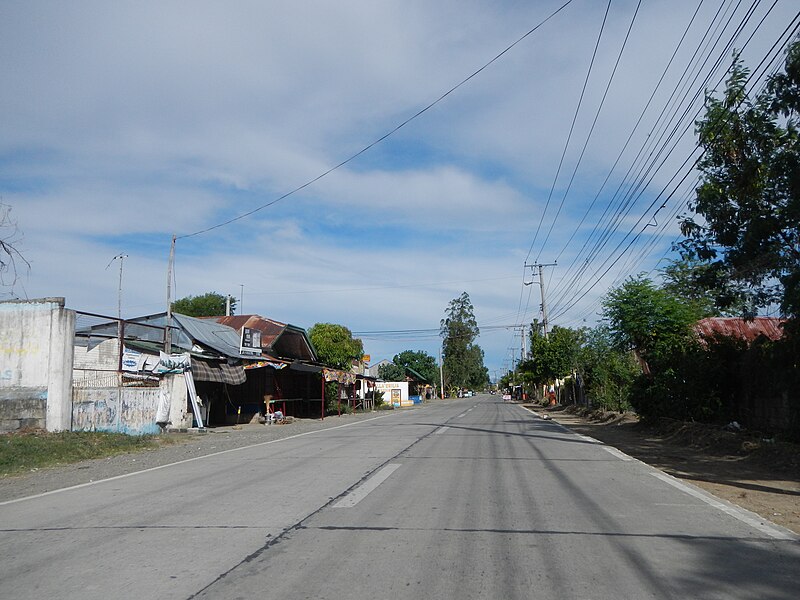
(626, 201)
(391, 132)
(591, 129)
(571, 129)
(626, 207)
(791, 30)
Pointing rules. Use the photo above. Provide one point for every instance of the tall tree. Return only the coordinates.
(552, 357)
(210, 304)
(462, 359)
(648, 320)
(335, 345)
(749, 198)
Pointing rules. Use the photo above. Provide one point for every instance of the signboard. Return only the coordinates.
(366, 358)
(250, 341)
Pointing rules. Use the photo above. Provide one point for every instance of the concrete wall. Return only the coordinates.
(130, 410)
(36, 338)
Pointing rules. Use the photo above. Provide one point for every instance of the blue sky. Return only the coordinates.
(124, 123)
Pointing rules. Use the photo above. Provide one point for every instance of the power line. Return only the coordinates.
(384, 136)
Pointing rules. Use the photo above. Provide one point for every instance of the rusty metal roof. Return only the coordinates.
(770, 327)
(277, 339)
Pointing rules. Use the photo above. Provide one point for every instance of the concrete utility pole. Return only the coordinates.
(541, 266)
(167, 330)
(441, 374)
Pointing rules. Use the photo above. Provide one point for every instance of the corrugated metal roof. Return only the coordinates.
(221, 338)
(277, 339)
(770, 327)
(270, 330)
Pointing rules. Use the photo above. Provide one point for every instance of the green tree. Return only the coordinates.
(749, 198)
(392, 372)
(607, 373)
(335, 345)
(210, 304)
(422, 362)
(648, 320)
(462, 359)
(698, 283)
(553, 357)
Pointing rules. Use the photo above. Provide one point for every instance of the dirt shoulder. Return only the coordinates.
(749, 470)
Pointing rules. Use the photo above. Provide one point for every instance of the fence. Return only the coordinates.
(106, 351)
(112, 389)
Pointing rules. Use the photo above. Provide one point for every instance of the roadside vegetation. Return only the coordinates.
(25, 451)
(740, 257)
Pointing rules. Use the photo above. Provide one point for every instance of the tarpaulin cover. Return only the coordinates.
(220, 372)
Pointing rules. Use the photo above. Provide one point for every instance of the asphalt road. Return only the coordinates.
(471, 498)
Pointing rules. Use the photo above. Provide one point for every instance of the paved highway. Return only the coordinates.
(470, 498)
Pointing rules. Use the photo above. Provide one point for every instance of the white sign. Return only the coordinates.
(250, 341)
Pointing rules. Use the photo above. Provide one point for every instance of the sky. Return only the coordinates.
(359, 162)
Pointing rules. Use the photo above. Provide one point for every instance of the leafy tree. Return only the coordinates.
(9, 252)
(749, 198)
(422, 362)
(607, 373)
(462, 359)
(698, 283)
(210, 304)
(553, 357)
(392, 372)
(648, 320)
(335, 345)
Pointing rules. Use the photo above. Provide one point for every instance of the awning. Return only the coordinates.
(220, 372)
(305, 367)
(340, 376)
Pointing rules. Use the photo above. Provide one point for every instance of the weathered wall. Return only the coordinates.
(36, 364)
(129, 410)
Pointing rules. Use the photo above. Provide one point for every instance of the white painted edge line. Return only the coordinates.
(618, 453)
(362, 491)
(743, 515)
(441, 429)
(461, 415)
(181, 462)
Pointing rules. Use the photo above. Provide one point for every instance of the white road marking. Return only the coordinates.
(745, 516)
(441, 430)
(362, 491)
(181, 462)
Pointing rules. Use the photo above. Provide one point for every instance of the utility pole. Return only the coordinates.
(167, 330)
(541, 266)
(121, 258)
(441, 374)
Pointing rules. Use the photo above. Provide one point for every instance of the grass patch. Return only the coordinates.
(35, 449)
